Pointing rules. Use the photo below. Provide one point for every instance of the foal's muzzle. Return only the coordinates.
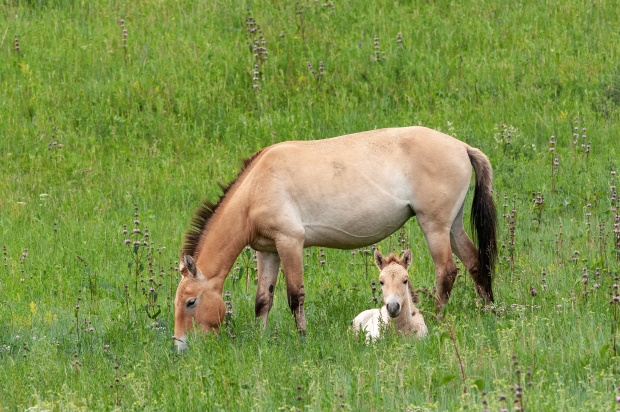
(393, 309)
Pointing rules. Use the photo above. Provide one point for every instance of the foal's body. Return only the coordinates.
(372, 322)
(344, 192)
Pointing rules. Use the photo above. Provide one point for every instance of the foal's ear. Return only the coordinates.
(190, 265)
(379, 261)
(406, 259)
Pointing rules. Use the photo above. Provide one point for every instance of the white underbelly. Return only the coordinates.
(359, 226)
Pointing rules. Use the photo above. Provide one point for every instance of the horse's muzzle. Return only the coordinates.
(181, 343)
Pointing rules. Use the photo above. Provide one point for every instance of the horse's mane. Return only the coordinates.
(203, 214)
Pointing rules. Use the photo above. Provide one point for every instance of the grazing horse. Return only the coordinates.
(345, 192)
(398, 299)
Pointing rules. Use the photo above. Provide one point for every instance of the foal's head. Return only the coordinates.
(195, 304)
(394, 280)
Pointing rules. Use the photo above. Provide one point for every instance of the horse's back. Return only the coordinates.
(375, 143)
(397, 160)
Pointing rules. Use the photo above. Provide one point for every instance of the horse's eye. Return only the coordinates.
(381, 282)
(191, 302)
(405, 281)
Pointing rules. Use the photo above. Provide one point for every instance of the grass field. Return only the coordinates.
(123, 115)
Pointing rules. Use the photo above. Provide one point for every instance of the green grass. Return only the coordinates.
(158, 123)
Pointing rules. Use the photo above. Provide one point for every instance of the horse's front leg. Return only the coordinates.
(268, 264)
(290, 250)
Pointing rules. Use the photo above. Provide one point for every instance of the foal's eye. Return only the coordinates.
(191, 302)
(381, 282)
(405, 281)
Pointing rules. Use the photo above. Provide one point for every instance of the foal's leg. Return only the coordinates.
(268, 264)
(438, 238)
(290, 250)
(466, 251)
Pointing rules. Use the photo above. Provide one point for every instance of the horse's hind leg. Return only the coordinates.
(466, 251)
(268, 264)
(438, 238)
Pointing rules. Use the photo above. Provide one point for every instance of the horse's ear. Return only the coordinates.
(379, 261)
(406, 259)
(190, 265)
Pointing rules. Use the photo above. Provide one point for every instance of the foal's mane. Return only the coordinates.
(414, 296)
(203, 214)
(392, 258)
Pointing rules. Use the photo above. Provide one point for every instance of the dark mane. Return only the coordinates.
(200, 221)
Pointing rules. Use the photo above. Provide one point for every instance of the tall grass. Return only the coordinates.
(120, 116)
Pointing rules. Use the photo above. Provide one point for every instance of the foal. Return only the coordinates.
(398, 298)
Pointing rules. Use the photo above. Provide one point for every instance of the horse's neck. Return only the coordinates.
(225, 237)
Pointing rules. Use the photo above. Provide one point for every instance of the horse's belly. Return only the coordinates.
(356, 227)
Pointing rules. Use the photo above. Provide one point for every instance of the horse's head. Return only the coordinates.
(195, 304)
(394, 280)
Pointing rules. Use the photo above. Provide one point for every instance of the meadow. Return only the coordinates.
(117, 118)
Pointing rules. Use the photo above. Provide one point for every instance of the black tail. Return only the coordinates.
(484, 219)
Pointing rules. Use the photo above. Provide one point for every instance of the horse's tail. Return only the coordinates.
(484, 219)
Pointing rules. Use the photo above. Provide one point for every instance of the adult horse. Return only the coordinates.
(344, 192)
